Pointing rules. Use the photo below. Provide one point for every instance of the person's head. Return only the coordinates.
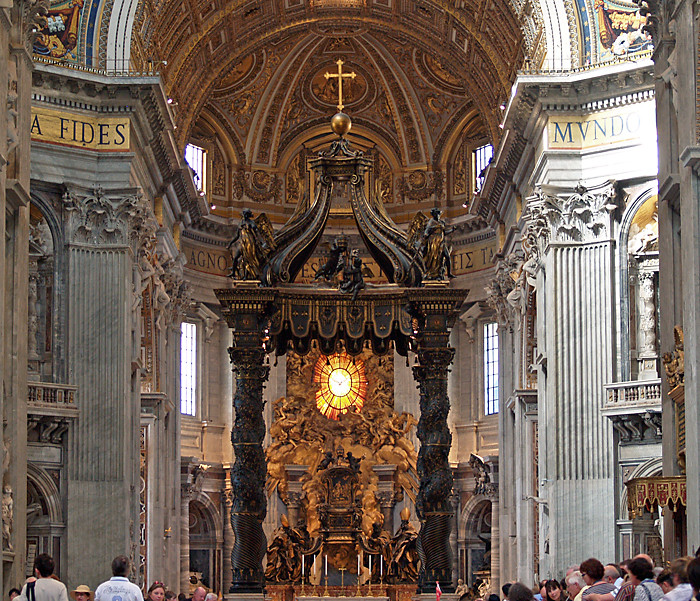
(120, 565)
(679, 570)
(693, 570)
(520, 592)
(14, 592)
(43, 565)
(665, 581)
(611, 573)
(592, 571)
(574, 584)
(170, 595)
(571, 570)
(493, 597)
(156, 592)
(82, 593)
(540, 588)
(211, 597)
(640, 569)
(623, 567)
(199, 594)
(505, 589)
(647, 557)
(552, 590)
(182, 597)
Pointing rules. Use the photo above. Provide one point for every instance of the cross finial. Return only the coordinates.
(340, 75)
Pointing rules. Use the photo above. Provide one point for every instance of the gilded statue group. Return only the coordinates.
(398, 553)
(253, 243)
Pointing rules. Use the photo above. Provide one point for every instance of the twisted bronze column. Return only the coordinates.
(433, 500)
(249, 470)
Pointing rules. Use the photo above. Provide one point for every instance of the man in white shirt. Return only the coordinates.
(118, 587)
(44, 588)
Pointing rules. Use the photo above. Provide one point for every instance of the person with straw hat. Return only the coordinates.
(82, 593)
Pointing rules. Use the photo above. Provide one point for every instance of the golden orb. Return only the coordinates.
(341, 124)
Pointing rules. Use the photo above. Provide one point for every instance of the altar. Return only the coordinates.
(344, 598)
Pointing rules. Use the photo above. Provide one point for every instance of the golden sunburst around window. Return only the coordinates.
(342, 384)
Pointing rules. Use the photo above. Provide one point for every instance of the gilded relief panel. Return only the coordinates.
(302, 435)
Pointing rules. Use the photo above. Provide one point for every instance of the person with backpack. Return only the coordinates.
(44, 588)
(642, 576)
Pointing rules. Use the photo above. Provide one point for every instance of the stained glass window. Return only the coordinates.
(342, 384)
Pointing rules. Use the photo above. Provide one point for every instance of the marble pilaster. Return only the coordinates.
(690, 231)
(103, 479)
(574, 232)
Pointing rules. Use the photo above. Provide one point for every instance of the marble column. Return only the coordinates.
(185, 497)
(433, 503)
(228, 537)
(648, 350)
(249, 470)
(573, 245)
(495, 547)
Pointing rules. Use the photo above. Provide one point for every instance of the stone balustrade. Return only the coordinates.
(42, 393)
(632, 397)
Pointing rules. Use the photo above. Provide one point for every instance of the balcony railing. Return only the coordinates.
(52, 394)
(633, 397)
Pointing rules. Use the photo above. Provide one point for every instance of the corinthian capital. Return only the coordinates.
(506, 292)
(585, 215)
(109, 219)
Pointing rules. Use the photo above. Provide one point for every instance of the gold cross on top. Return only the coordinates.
(340, 75)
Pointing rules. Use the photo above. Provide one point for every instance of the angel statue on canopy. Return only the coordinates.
(251, 245)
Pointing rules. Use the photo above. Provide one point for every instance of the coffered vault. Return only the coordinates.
(481, 44)
(468, 49)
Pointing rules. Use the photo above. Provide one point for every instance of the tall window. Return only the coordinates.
(491, 368)
(188, 368)
(196, 158)
(481, 157)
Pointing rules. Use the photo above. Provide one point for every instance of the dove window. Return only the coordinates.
(342, 384)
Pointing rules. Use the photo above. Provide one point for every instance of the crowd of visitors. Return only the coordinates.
(631, 580)
(44, 585)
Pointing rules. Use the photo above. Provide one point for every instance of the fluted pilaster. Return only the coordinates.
(574, 252)
(102, 232)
